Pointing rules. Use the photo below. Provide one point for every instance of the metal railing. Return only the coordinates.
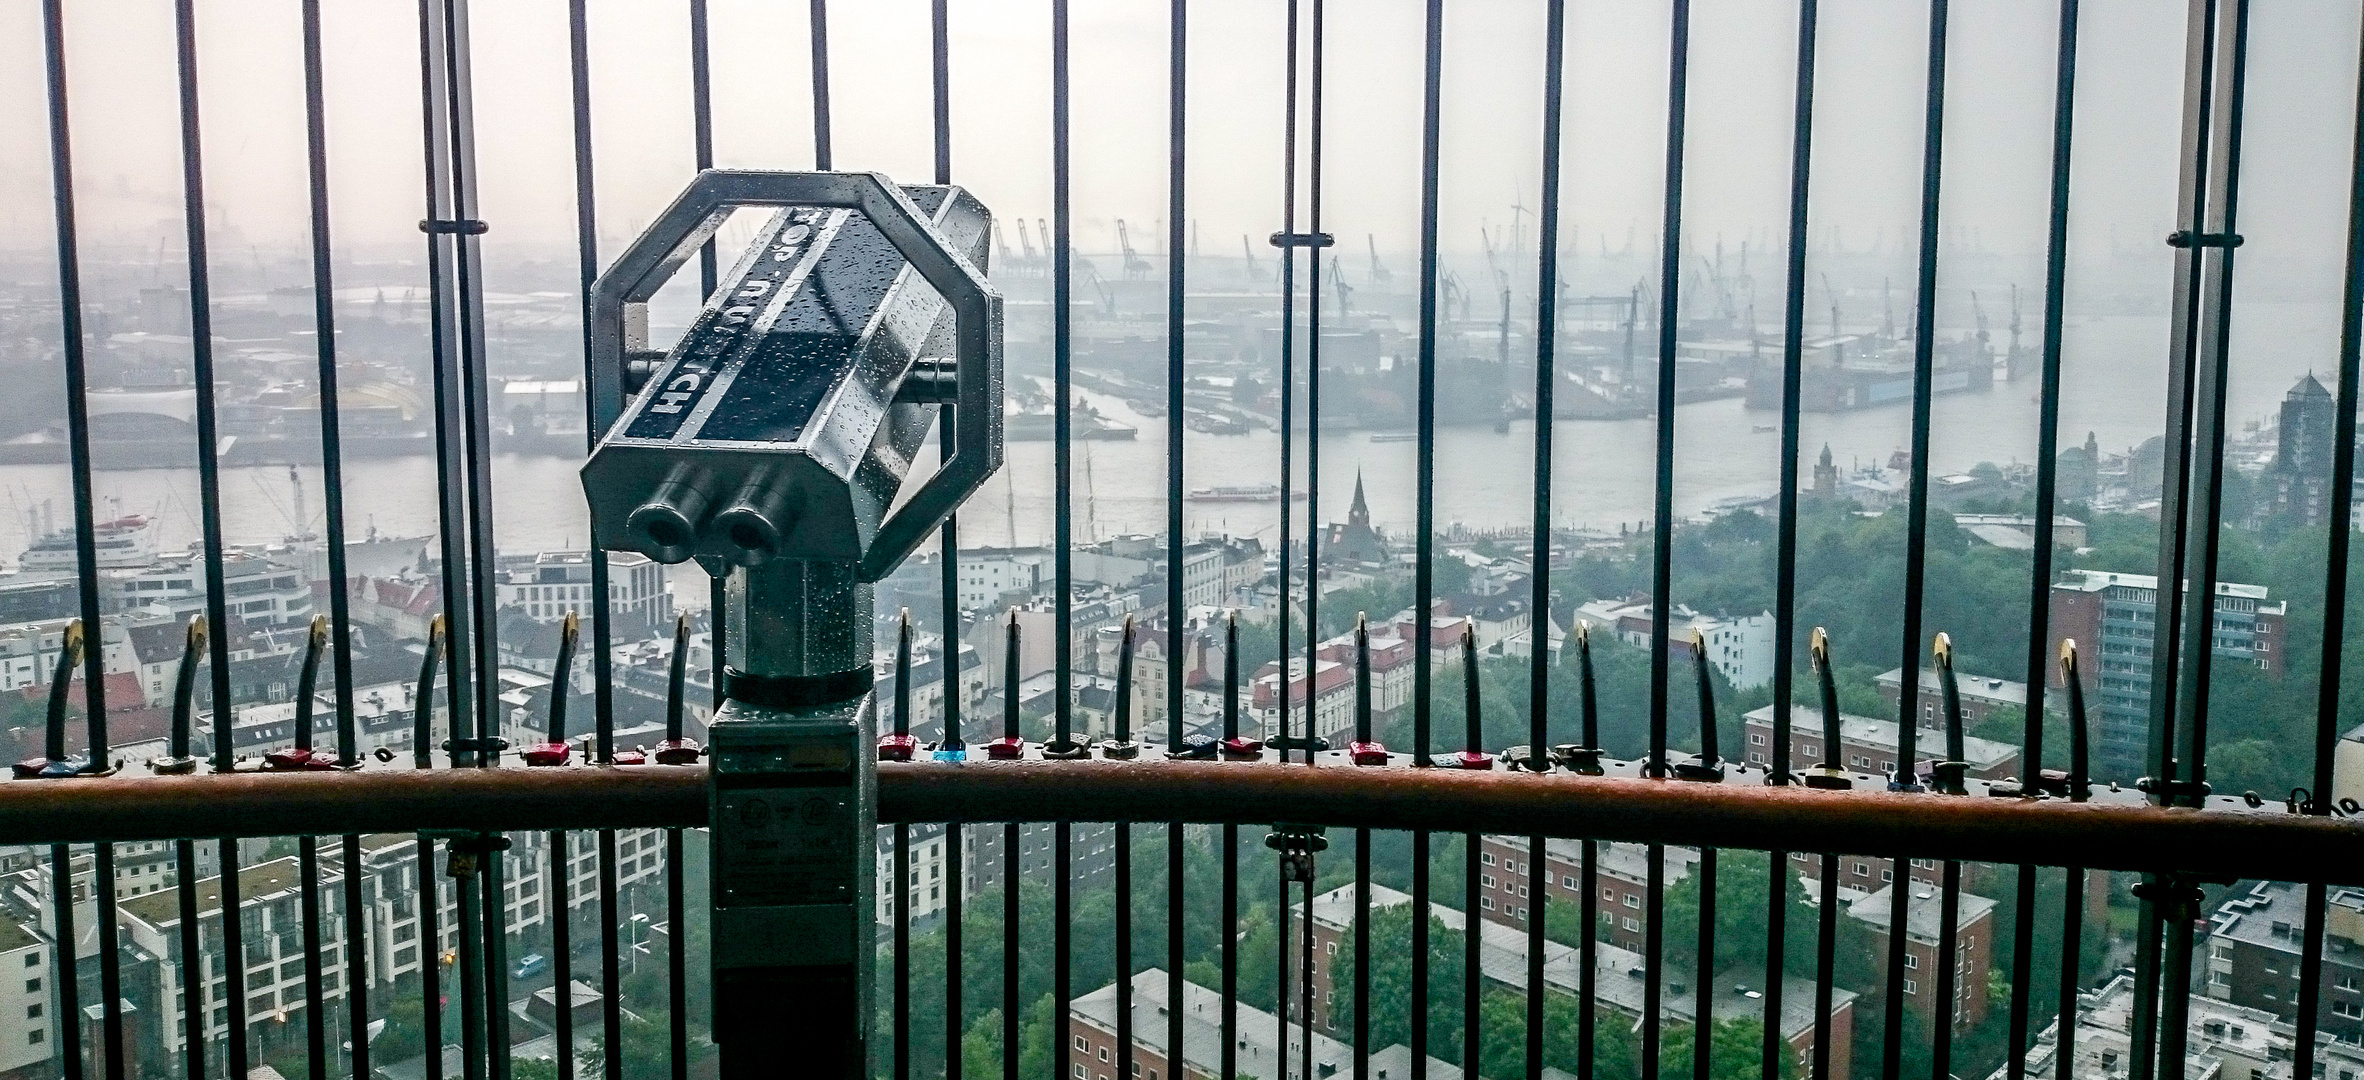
(473, 820)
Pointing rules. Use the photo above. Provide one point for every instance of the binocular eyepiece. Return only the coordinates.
(680, 520)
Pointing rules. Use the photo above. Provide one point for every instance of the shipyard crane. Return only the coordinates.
(1380, 276)
(1136, 267)
(1249, 250)
(1025, 242)
(1978, 311)
(1001, 243)
(2015, 319)
(1345, 291)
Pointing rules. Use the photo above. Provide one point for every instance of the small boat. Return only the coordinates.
(1395, 436)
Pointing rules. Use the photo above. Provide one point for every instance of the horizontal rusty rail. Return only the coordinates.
(2112, 833)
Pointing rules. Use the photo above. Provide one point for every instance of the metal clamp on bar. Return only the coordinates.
(464, 850)
(54, 764)
(1304, 240)
(178, 761)
(1703, 766)
(453, 226)
(2173, 791)
(2185, 238)
(1297, 845)
(771, 443)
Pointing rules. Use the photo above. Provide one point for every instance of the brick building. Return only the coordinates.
(1617, 983)
(1924, 918)
(1504, 888)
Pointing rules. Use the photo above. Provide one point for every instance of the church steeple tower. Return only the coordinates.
(1359, 514)
(1826, 475)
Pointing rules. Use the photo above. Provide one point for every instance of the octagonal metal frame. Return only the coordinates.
(623, 291)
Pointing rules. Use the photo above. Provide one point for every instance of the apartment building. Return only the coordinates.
(2113, 618)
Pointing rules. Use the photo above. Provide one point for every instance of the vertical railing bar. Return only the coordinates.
(449, 369)
(69, 982)
(308, 865)
(1587, 944)
(677, 951)
(1950, 887)
(1949, 914)
(1424, 540)
(467, 260)
(1785, 560)
(2192, 188)
(1009, 945)
(2335, 589)
(818, 20)
(1362, 863)
(1825, 970)
(315, 991)
(1916, 527)
(587, 271)
(905, 888)
(1009, 864)
(1122, 894)
(1063, 525)
(1280, 958)
(702, 158)
(2047, 488)
(496, 961)
(1703, 990)
(940, 115)
(611, 961)
(1288, 417)
(1472, 944)
(2203, 549)
(1669, 315)
(197, 991)
(602, 626)
(1227, 1055)
(558, 906)
(1062, 379)
(332, 468)
(86, 566)
(1177, 333)
(70, 328)
(1662, 525)
(1547, 289)
(1313, 391)
(2072, 938)
(1305, 962)
(234, 963)
(209, 491)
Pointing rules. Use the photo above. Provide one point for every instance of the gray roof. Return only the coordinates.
(1982, 754)
(1617, 973)
(2272, 915)
(1202, 1032)
(1923, 912)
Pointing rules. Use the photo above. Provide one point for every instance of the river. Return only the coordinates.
(1603, 474)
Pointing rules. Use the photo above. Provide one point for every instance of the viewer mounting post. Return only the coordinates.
(769, 444)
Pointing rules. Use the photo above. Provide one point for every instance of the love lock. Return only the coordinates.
(1297, 845)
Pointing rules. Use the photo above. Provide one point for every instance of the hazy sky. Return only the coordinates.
(1868, 117)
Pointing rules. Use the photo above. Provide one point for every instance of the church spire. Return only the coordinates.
(1360, 512)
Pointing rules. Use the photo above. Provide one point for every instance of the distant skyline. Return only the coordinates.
(1867, 153)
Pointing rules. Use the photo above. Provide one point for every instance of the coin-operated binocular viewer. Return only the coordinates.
(771, 444)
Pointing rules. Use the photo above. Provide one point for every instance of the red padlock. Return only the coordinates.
(679, 752)
(549, 753)
(1366, 753)
(897, 747)
(1242, 748)
(1006, 748)
(1472, 759)
(288, 760)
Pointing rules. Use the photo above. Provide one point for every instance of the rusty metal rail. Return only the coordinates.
(2111, 832)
